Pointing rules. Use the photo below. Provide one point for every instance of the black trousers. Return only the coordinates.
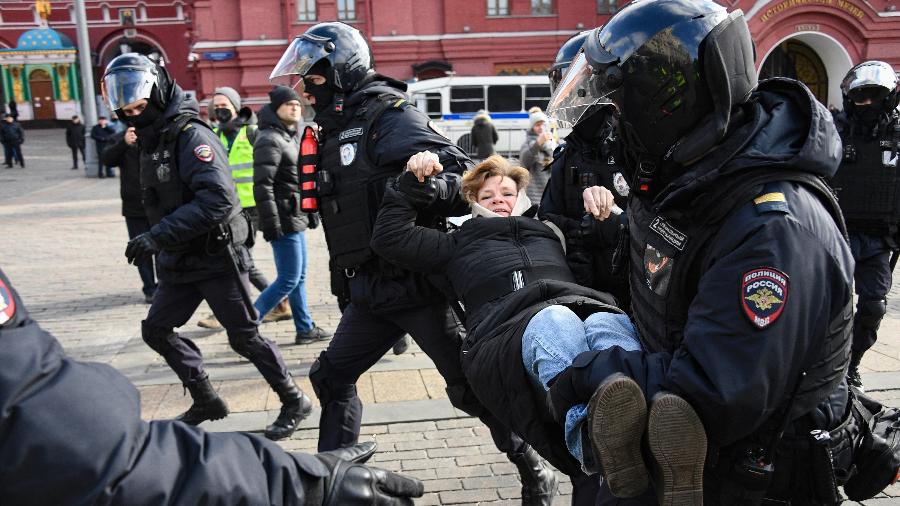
(13, 154)
(360, 340)
(75, 150)
(872, 282)
(136, 227)
(103, 171)
(174, 304)
(257, 278)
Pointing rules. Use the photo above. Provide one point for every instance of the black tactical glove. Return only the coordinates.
(420, 195)
(314, 220)
(271, 234)
(351, 483)
(141, 249)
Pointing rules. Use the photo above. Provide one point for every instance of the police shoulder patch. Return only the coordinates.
(764, 293)
(434, 128)
(7, 304)
(204, 153)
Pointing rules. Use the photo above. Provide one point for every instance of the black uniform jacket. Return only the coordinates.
(276, 175)
(71, 433)
(734, 374)
(480, 255)
(209, 199)
(128, 159)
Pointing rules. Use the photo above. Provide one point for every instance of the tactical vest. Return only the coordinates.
(240, 161)
(589, 165)
(351, 184)
(667, 255)
(163, 190)
(868, 181)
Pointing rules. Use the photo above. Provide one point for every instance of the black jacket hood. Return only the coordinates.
(375, 85)
(784, 127)
(181, 103)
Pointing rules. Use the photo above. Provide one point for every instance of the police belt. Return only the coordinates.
(498, 286)
(235, 231)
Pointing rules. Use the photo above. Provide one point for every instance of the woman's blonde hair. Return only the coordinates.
(496, 165)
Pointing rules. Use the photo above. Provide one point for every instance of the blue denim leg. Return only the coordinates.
(289, 252)
(297, 298)
(602, 331)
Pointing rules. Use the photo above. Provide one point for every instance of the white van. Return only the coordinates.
(453, 101)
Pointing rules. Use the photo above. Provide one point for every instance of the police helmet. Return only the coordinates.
(872, 82)
(673, 68)
(131, 77)
(567, 52)
(343, 47)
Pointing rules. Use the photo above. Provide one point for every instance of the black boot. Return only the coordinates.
(207, 403)
(539, 482)
(853, 377)
(295, 406)
(401, 345)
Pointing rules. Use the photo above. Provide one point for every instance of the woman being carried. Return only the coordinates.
(527, 319)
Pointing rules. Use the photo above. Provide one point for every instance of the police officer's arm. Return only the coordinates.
(398, 239)
(404, 131)
(203, 167)
(266, 159)
(114, 153)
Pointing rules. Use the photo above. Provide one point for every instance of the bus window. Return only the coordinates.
(536, 95)
(466, 99)
(505, 98)
(429, 103)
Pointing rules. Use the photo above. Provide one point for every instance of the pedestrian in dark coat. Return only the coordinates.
(484, 135)
(75, 140)
(12, 137)
(101, 133)
(123, 152)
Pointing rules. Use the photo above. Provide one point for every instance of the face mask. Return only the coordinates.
(223, 115)
(867, 114)
(324, 95)
(148, 117)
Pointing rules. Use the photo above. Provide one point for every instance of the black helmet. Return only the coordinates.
(131, 77)
(567, 52)
(343, 47)
(673, 68)
(872, 81)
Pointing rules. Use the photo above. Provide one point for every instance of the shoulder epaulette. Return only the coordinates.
(771, 200)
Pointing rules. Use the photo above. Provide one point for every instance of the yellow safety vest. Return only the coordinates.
(240, 160)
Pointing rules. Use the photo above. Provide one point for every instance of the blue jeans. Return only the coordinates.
(552, 340)
(290, 263)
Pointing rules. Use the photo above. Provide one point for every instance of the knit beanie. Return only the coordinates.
(231, 95)
(536, 117)
(280, 95)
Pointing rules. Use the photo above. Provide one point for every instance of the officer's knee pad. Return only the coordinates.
(463, 398)
(871, 312)
(159, 339)
(245, 344)
(326, 387)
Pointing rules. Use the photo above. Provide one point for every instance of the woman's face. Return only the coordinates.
(498, 194)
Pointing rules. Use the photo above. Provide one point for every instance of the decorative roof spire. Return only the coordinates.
(43, 9)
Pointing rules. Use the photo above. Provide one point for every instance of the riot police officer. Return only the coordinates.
(198, 231)
(368, 132)
(726, 191)
(93, 447)
(588, 158)
(866, 185)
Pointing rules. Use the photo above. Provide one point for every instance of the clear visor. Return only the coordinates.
(573, 97)
(296, 61)
(126, 87)
(869, 76)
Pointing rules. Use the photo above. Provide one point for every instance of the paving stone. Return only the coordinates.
(394, 386)
(468, 496)
(442, 485)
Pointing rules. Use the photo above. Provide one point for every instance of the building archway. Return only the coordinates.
(40, 85)
(814, 58)
(116, 45)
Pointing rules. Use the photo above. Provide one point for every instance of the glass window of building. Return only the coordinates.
(539, 7)
(346, 10)
(498, 7)
(607, 6)
(306, 10)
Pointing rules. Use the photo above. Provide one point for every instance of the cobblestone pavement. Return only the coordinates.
(62, 244)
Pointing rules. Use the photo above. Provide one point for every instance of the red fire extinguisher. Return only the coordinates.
(309, 148)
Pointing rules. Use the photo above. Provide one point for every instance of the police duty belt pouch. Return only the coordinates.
(876, 458)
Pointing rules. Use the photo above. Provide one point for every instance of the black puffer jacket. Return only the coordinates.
(128, 159)
(480, 257)
(276, 176)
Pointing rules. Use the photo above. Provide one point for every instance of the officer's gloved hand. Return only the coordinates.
(351, 483)
(272, 234)
(141, 249)
(419, 194)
